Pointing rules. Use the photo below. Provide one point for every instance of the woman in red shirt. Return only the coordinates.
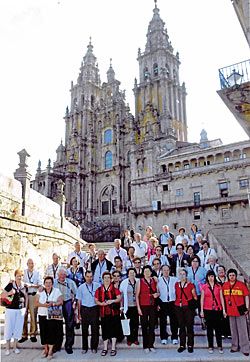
(213, 310)
(108, 298)
(185, 292)
(146, 295)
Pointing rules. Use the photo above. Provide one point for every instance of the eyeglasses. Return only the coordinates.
(178, 248)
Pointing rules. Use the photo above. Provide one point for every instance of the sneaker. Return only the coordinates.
(33, 339)
(146, 350)
(16, 351)
(210, 350)
(152, 350)
(136, 343)
(7, 352)
(175, 341)
(164, 341)
(129, 343)
(221, 350)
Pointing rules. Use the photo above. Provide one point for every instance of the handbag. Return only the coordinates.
(4, 302)
(125, 325)
(55, 313)
(242, 309)
(192, 304)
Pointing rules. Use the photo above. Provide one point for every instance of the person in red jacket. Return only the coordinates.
(146, 294)
(236, 297)
(185, 293)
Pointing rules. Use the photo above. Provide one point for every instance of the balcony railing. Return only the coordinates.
(234, 74)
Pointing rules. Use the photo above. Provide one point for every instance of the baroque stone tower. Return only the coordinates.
(107, 150)
(160, 100)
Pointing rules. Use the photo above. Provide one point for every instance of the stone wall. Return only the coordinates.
(36, 235)
(232, 244)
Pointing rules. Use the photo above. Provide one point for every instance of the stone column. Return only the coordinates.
(21, 174)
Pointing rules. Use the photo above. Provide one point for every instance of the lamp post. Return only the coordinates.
(235, 78)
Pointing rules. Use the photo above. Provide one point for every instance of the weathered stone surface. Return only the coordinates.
(6, 244)
(34, 236)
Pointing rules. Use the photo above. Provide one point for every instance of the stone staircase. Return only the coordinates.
(32, 351)
(105, 246)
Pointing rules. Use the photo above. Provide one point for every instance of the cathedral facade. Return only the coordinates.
(123, 170)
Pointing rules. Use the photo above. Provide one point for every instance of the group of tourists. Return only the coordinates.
(143, 279)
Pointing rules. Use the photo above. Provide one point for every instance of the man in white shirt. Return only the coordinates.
(81, 255)
(166, 287)
(205, 253)
(32, 280)
(99, 266)
(140, 247)
(53, 269)
(165, 235)
(117, 251)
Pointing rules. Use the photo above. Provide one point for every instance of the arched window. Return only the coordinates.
(107, 136)
(155, 69)
(108, 160)
(145, 72)
(92, 101)
(129, 191)
(167, 70)
(128, 157)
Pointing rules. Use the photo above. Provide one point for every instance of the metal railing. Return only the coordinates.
(234, 74)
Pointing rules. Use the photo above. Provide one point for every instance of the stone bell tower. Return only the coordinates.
(160, 100)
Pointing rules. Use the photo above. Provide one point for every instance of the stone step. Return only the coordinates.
(200, 342)
(197, 331)
(105, 246)
(131, 355)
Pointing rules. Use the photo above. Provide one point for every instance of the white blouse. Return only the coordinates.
(52, 297)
